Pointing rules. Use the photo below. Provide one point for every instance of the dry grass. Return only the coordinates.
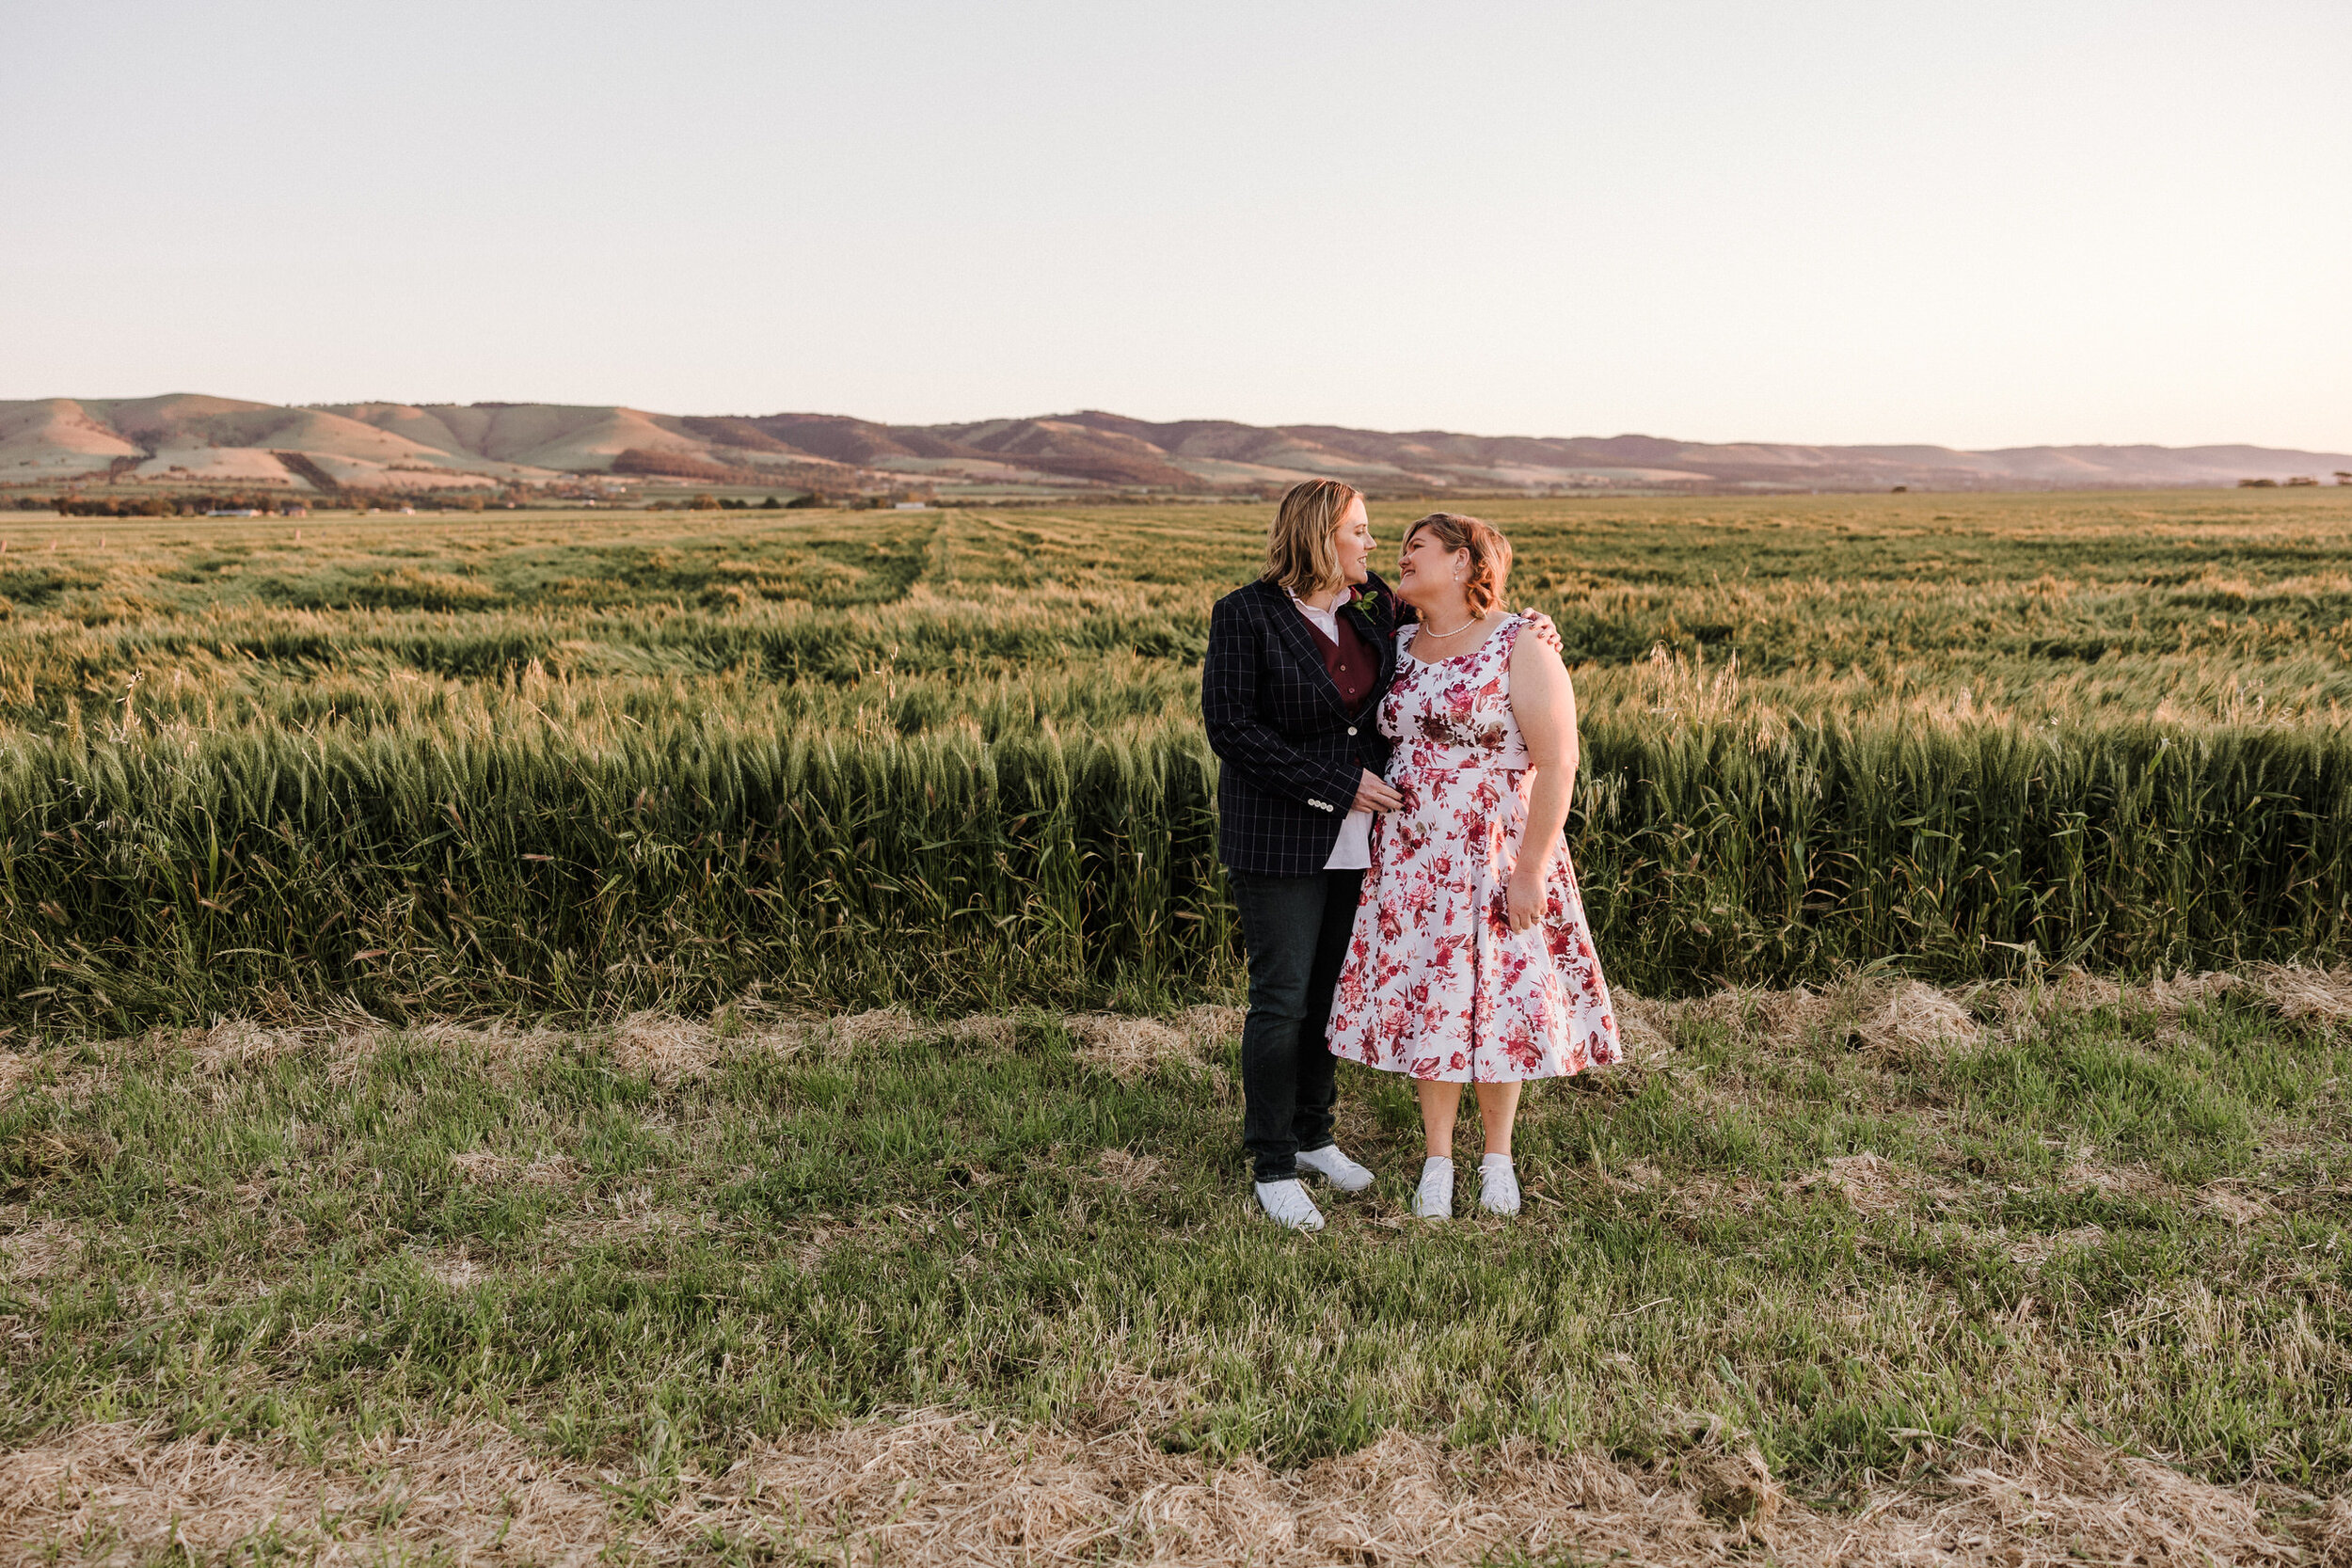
(36, 1250)
(1129, 1173)
(936, 1488)
(15, 1067)
(2032, 1251)
(668, 1049)
(1894, 1018)
(2296, 992)
(1916, 1017)
(1899, 1017)
(552, 1171)
(458, 1269)
(1129, 1047)
(2241, 1209)
(2300, 992)
(1874, 1185)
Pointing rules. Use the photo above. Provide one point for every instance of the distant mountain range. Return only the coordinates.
(193, 439)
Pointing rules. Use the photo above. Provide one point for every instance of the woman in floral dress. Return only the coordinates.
(1470, 960)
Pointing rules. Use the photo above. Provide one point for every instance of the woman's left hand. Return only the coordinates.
(1525, 904)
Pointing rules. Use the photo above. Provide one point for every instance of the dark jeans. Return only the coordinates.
(1296, 930)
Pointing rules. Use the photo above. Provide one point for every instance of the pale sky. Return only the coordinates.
(1978, 224)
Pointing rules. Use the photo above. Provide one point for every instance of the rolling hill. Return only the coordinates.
(196, 439)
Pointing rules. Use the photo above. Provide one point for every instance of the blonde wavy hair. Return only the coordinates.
(1490, 554)
(1301, 549)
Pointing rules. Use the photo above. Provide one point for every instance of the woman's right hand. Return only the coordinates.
(1373, 794)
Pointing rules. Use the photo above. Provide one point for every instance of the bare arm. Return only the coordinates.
(1542, 700)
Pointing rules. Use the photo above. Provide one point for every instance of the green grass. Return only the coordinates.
(400, 1230)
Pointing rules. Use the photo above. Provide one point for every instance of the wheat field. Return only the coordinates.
(587, 764)
(711, 1038)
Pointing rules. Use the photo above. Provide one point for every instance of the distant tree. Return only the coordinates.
(2258, 484)
(703, 504)
(2343, 477)
(771, 504)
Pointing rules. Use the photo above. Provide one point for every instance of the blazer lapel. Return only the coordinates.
(1291, 627)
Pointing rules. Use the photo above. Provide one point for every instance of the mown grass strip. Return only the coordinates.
(666, 1241)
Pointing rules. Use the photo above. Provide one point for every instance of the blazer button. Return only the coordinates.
(1351, 729)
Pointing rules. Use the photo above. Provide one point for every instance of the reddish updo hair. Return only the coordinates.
(1490, 555)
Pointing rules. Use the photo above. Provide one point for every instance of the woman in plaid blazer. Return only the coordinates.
(1297, 663)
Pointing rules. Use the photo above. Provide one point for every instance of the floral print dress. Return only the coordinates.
(1435, 984)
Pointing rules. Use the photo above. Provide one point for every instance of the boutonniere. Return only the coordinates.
(1367, 604)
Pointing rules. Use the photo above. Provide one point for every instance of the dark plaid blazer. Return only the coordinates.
(1293, 753)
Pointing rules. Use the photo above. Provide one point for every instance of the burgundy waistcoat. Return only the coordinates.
(1350, 661)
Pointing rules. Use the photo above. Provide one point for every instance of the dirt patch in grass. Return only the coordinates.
(939, 1488)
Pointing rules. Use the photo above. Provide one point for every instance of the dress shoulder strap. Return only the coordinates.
(1506, 637)
(1544, 632)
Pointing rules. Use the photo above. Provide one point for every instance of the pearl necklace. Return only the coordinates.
(1443, 636)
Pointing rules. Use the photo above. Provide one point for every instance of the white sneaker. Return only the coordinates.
(1498, 1186)
(1337, 1168)
(1434, 1199)
(1287, 1204)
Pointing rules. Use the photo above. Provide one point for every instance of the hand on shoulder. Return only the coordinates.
(1546, 632)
